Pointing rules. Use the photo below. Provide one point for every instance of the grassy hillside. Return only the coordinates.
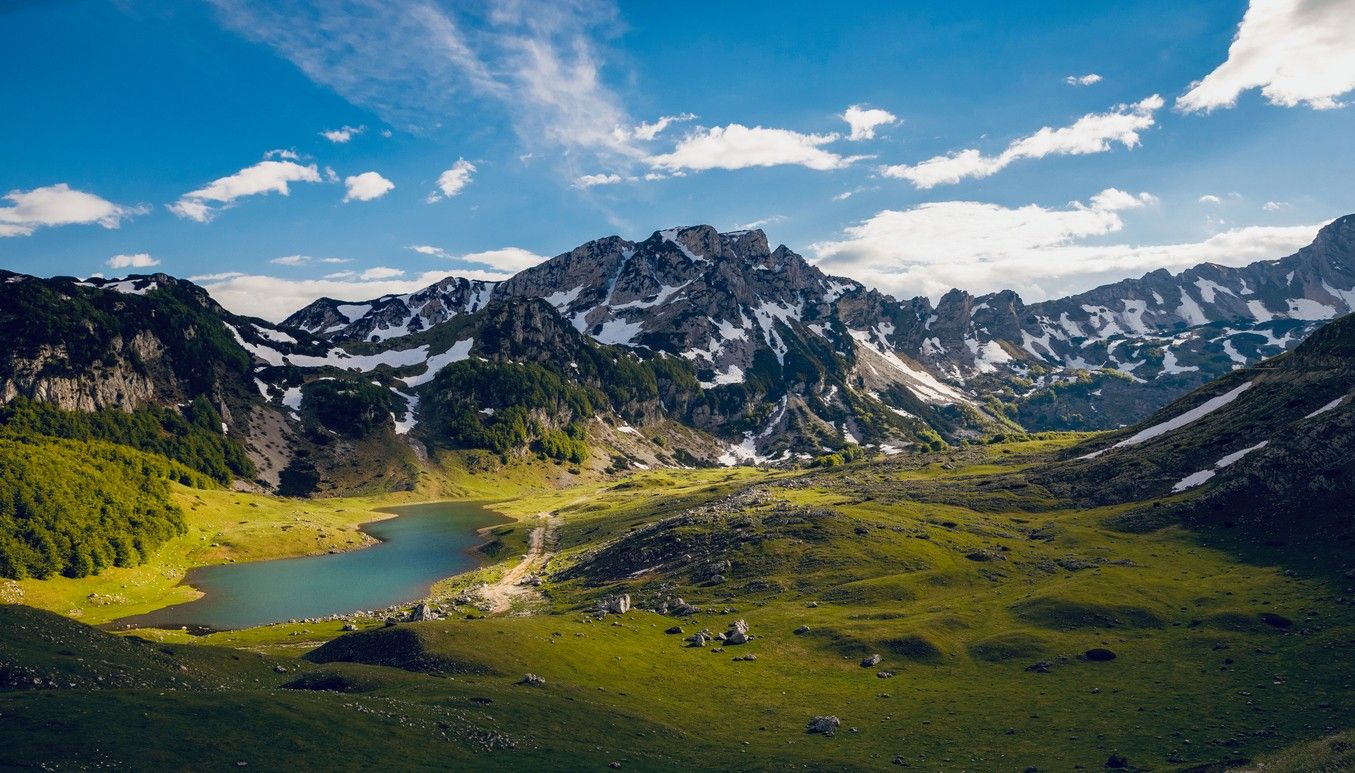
(990, 599)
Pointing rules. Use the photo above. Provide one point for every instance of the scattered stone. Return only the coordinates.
(884, 674)
(1041, 667)
(617, 605)
(748, 658)
(390, 621)
(813, 605)
(738, 633)
(349, 627)
(899, 760)
(1117, 762)
(802, 630)
(699, 639)
(1099, 654)
(279, 669)
(824, 725)
(614, 765)
(532, 680)
(871, 661)
(673, 629)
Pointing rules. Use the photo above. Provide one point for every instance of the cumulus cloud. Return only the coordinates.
(135, 260)
(760, 223)
(1092, 133)
(1275, 206)
(864, 121)
(266, 176)
(1040, 252)
(56, 205)
(1297, 52)
(452, 180)
(1090, 79)
(367, 186)
(342, 134)
(505, 260)
(1210, 198)
(738, 147)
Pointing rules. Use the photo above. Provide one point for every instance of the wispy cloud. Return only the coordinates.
(273, 298)
(1090, 79)
(1092, 133)
(57, 205)
(264, 177)
(1297, 52)
(419, 63)
(306, 260)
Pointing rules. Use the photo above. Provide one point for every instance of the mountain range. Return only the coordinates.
(690, 347)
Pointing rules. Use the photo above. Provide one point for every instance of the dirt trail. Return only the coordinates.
(515, 586)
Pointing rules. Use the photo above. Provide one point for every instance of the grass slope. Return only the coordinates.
(955, 568)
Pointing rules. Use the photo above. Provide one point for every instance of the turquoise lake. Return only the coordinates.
(421, 545)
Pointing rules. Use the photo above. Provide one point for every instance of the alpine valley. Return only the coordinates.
(731, 513)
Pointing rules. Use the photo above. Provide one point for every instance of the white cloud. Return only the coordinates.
(283, 153)
(274, 298)
(504, 259)
(864, 121)
(263, 177)
(591, 180)
(136, 260)
(306, 260)
(1040, 252)
(1275, 206)
(843, 196)
(342, 134)
(56, 205)
(1210, 198)
(738, 147)
(1298, 52)
(367, 186)
(648, 131)
(760, 223)
(452, 180)
(1090, 79)
(1092, 133)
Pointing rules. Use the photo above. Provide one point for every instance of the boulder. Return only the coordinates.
(616, 605)
(824, 725)
(532, 680)
(420, 613)
(738, 633)
(871, 661)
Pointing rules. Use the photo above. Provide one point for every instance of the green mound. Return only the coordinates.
(1062, 613)
(409, 647)
(1012, 645)
(914, 646)
(349, 678)
(879, 589)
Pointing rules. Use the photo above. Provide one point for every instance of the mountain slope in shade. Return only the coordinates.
(1269, 445)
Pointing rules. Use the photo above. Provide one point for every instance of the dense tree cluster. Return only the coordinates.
(349, 407)
(192, 437)
(74, 507)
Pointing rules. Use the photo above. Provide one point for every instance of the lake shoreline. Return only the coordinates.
(201, 579)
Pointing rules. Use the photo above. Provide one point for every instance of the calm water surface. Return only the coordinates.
(424, 544)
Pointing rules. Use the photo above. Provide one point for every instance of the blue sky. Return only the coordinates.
(161, 136)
